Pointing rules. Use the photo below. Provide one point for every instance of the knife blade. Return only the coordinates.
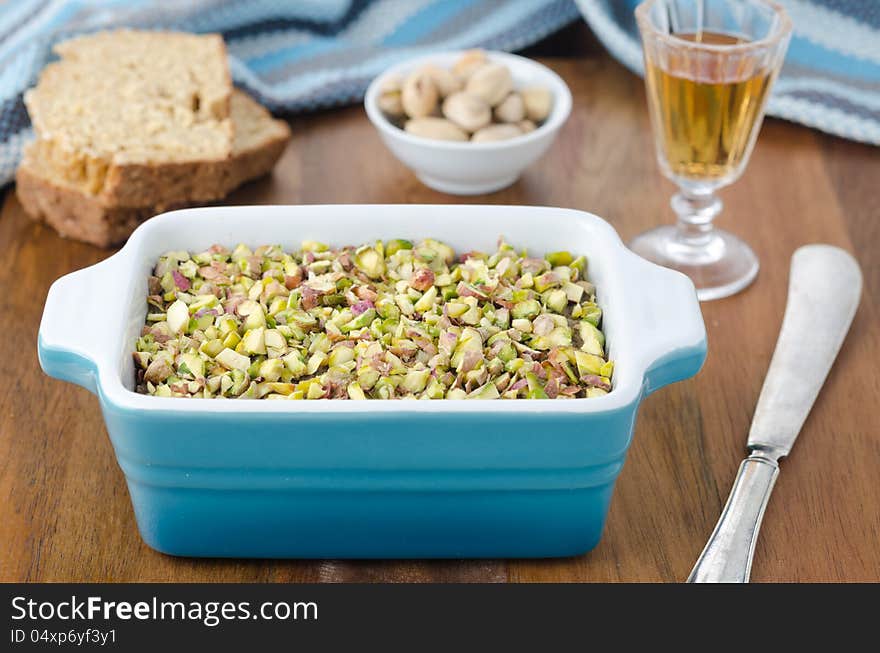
(825, 285)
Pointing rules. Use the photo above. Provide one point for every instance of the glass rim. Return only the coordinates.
(779, 32)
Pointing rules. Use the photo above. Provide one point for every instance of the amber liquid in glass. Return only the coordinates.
(705, 126)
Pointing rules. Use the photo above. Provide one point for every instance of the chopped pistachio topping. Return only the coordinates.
(394, 320)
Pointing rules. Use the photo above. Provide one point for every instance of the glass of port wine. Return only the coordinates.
(709, 67)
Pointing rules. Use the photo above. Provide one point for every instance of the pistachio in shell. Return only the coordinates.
(497, 132)
(468, 63)
(467, 111)
(538, 102)
(445, 82)
(419, 95)
(511, 109)
(437, 128)
(389, 100)
(491, 81)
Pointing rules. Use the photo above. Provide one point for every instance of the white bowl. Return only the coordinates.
(472, 168)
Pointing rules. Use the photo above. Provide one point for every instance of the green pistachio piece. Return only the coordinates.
(369, 261)
(361, 321)
(580, 264)
(588, 363)
(556, 300)
(178, 317)
(162, 391)
(526, 309)
(192, 365)
(274, 338)
(240, 252)
(473, 315)
(200, 324)
(314, 246)
(559, 258)
(158, 370)
(470, 340)
(384, 388)
(487, 391)
(295, 364)
(433, 250)
(591, 313)
(546, 281)
(435, 390)
(394, 246)
(415, 381)
(558, 337)
(278, 304)
(573, 292)
(405, 304)
(368, 377)
(340, 355)
(456, 309)
(507, 353)
(302, 318)
(320, 343)
(251, 391)
(271, 369)
(536, 390)
(317, 360)
(226, 324)
(203, 301)
(522, 325)
(232, 360)
(232, 340)
(355, 391)
(253, 313)
(254, 341)
(427, 300)
(593, 340)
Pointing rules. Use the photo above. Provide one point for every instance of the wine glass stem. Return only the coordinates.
(695, 211)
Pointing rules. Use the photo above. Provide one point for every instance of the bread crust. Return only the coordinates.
(73, 214)
(78, 215)
(132, 183)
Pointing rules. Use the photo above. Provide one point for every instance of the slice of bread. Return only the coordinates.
(126, 110)
(259, 142)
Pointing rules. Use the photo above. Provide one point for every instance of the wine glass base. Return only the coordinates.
(719, 267)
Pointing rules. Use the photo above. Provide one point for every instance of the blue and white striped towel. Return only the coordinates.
(831, 76)
(292, 56)
(309, 54)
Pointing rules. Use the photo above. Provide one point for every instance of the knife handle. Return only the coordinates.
(727, 557)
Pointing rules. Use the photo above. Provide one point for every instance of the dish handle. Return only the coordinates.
(74, 329)
(674, 342)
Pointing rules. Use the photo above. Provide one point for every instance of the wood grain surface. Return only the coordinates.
(65, 513)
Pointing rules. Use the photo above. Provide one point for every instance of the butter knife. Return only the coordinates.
(824, 289)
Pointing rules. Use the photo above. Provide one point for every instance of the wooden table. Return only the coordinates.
(64, 508)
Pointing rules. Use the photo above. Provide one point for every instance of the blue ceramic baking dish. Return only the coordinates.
(344, 479)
